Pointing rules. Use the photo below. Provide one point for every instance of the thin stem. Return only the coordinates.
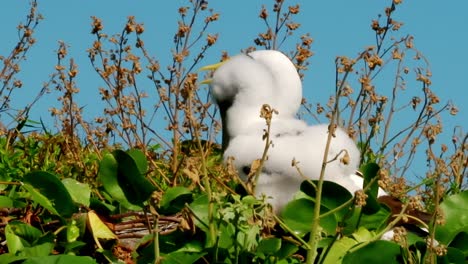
(386, 229)
(157, 257)
(206, 182)
(314, 234)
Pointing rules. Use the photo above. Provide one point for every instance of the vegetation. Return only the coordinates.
(120, 189)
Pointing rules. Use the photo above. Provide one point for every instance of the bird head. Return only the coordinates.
(240, 86)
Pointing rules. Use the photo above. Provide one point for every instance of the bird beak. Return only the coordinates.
(211, 67)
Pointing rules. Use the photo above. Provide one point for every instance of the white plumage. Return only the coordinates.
(240, 87)
(287, 88)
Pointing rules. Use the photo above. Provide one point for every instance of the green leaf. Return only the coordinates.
(10, 258)
(362, 235)
(40, 250)
(25, 240)
(453, 255)
(181, 257)
(455, 211)
(174, 199)
(226, 238)
(338, 250)
(460, 242)
(200, 208)
(73, 232)
(136, 187)
(14, 242)
(286, 250)
(373, 221)
(108, 175)
(40, 199)
(333, 195)
(375, 252)
(140, 160)
(188, 253)
(299, 214)
(80, 192)
(72, 247)
(370, 172)
(269, 246)
(50, 187)
(6, 202)
(20, 235)
(61, 259)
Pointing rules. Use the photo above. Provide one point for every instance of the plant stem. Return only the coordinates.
(378, 235)
(291, 232)
(206, 181)
(157, 257)
(314, 233)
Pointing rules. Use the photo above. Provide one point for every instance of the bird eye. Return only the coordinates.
(246, 170)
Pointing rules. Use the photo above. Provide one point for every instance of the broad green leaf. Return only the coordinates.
(370, 172)
(20, 232)
(72, 247)
(338, 250)
(461, 242)
(181, 257)
(453, 255)
(333, 195)
(40, 199)
(269, 246)
(61, 259)
(226, 238)
(455, 211)
(40, 250)
(6, 202)
(374, 221)
(80, 192)
(108, 175)
(362, 235)
(14, 242)
(174, 199)
(298, 215)
(136, 187)
(200, 208)
(102, 206)
(73, 232)
(286, 250)
(184, 251)
(375, 252)
(140, 160)
(99, 230)
(25, 240)
(7, 258)
(53, 189)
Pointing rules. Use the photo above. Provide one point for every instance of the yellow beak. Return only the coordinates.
(211, 67)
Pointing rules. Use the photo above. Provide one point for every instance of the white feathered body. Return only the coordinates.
(293, 139)
(240, 87)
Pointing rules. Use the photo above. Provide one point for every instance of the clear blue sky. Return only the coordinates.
(339, 27)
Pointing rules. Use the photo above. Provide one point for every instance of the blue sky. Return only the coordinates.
(338, 27)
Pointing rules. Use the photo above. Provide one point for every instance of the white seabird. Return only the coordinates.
(240, 87)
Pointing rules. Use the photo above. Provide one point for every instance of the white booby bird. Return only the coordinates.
(240, 87)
